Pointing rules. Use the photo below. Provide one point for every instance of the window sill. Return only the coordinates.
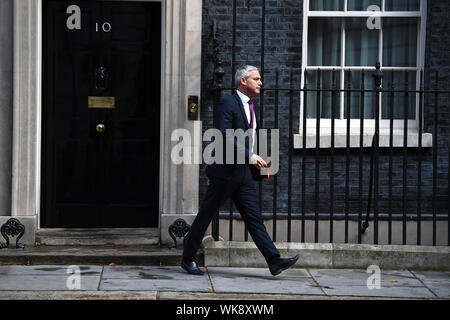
(340, 139)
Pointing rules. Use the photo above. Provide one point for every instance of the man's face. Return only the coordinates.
(252, 85)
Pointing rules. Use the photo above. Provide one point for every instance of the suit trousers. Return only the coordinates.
(241, 188)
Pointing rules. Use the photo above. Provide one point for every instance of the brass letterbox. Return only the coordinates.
(101, 102)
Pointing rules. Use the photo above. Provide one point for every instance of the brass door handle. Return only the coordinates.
(100, 127)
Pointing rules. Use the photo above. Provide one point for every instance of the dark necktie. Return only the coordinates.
(252, 112)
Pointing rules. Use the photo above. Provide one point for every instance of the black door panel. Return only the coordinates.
(90, 177)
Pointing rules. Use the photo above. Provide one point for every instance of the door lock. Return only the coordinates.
(100, 128)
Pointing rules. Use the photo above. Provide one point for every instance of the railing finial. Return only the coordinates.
(378, 75)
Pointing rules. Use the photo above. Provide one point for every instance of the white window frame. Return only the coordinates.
(369, 124)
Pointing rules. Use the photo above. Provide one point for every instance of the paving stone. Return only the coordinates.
(144, 272)
(347, 282)
(78, 295)
(45, 282)
(48, 270)
(47, 277)
(259, 280)
(358, 277)
(171, 295)
(438, 282)
(135, 278)
(392, 292)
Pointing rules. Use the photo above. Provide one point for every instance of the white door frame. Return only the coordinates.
(180, 77)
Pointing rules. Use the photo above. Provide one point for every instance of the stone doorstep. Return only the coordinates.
(104, 255)
(326, 255)
(98, 236)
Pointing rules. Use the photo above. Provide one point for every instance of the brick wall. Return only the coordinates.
(283, 52)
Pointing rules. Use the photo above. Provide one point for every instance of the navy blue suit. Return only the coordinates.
(232, 180)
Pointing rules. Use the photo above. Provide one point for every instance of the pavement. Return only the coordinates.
(146, 282)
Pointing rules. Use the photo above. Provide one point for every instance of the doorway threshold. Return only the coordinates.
(97, 236)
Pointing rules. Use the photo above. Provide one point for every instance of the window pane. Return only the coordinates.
(400, 99)
(326, 5)
(324, 42)
(362, 5)
(326, 80)
(355, 78)
(361, 43)
(402, 5)
(400, 42)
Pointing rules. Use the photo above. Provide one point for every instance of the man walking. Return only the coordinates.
(237, 181)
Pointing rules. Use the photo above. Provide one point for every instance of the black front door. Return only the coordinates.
(101, 114)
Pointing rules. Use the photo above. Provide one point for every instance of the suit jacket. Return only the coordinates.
(231, 115)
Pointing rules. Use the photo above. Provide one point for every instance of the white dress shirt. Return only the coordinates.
(247, 110)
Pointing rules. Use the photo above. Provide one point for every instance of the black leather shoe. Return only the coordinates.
(191, 267)
(282, 264)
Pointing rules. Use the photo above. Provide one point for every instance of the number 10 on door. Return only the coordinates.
(106, 27)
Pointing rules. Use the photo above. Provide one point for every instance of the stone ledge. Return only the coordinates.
(327, 255)
(341, 138)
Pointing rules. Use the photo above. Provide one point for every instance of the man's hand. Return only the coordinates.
(257, 161)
